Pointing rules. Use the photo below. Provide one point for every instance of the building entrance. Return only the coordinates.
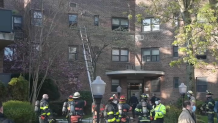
(135, 88)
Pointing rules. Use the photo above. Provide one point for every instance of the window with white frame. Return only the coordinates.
(151, 55)
(120, 55)
(37, 18)
(72, 53)
(176, 82)
(151, 24)
(96, 20)
(155, 85)
(201, 84)
(175, 51)
(17, 22)
(120, 24)
(201, 50)
(114, 84)
(10, 54)
(73, 18)
(73, 5)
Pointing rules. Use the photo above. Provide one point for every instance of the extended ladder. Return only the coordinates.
(87, 56)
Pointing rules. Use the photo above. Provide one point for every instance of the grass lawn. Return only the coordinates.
(203, 119)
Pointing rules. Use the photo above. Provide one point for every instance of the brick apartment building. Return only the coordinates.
(121, 67)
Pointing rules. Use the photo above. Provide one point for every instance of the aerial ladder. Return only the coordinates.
(87, 56)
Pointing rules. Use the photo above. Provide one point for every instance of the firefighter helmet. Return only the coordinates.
(111, 98)
(76, 95)
(209, 93)
(190, 92)
(122, 97)
(70, 97)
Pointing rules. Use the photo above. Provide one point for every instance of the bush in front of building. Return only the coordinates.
(18, 87)
(87, 96)
(172, 114)
(3, 91)
(19, 111)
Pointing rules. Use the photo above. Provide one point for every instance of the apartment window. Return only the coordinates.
(96, 20)
(73, 5)
(151, 24)
(72, 53)
(201, 52)
(175, 51)
(37, 18)
(120, 24)
(201, 84)
(114, 84)
(150, 55)
(120, 55)
(155, 85)
(17, 22)
(73, 18)
(176, 82)
(10, 54)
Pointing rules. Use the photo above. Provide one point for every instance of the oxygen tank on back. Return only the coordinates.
(72, 107)
(37, 107)
(144, 107)
(120, 108)
(64, 107)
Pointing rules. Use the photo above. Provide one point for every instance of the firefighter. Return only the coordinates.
(79, 105)
(94, 112)
(158, 112)
(68, 108)
(110, 111)
(44, 111)
(115, 102)
(209, 107)
(143, 110)
(123, 109)
(191, 97)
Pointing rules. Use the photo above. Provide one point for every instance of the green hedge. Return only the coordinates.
(3, 91)
(86, 95)
(49, 88)
(18, 87)
(19, 112)
(172, 114)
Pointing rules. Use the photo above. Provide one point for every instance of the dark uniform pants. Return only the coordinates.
(43, 121)
(133, 109)
(158, 120)
(210, 118)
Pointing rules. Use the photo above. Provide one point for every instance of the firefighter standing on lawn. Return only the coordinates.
(67, 108)
(110, 111)
(123, 109)
(209, 107)
(157, 113)
(142, 110)
(44, 111)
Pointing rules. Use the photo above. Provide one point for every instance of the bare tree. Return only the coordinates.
(42, 51)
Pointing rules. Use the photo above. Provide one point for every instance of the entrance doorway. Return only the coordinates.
(135, 88)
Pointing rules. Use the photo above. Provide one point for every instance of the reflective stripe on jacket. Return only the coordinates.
(110, 111)
(44, 108)
(160, 111)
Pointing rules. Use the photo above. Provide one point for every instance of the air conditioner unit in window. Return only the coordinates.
(139, 37)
